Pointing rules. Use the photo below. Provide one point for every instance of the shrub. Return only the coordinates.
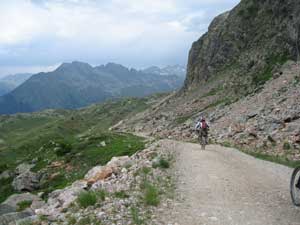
(86, 199)
(71, 220)
(286, 146)
(3, 167)
(161, 163)
(151, 196)
(23, 205)
(63, 149)
(121, 194)
(146, 170)
(101, 194)
(227, 144)
(267, 73)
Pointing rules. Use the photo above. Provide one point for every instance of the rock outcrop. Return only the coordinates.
(246, 44)
(121, 179)
(27, 181)
(10, 212)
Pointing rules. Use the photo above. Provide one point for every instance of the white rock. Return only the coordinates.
(93, 172)
(122, 161)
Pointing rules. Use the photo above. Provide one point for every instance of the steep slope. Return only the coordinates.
(77, 84)
(245, 45)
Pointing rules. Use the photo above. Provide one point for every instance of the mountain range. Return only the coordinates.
(78, 84)
(168, 70)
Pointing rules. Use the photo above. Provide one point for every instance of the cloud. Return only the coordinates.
(132, 32)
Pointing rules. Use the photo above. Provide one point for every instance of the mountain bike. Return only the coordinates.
(202, 140)
(295, 186)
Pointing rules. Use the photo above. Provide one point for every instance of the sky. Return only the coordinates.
(38, 35)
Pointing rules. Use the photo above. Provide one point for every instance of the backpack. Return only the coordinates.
(204, 125)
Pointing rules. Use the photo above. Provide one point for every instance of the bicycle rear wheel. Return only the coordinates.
(203, 143)
(295, 187)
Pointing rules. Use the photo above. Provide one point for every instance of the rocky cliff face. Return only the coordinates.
(246, 44)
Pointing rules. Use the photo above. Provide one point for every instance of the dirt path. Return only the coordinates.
(223, 186)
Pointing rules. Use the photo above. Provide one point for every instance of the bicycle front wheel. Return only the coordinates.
(295, 187)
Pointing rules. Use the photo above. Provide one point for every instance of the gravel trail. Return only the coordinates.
(222, 186)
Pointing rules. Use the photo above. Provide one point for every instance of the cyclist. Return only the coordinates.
(202, 129)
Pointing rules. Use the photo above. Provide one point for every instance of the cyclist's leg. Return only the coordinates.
(201, 137)
(205, 135)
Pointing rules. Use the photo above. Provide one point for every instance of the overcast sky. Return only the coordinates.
(37, 35)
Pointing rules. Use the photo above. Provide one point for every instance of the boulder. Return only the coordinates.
(61, 199)
(28, 220)
(115, 165)
(119, 162)
(296, 138)
(4, 209)
(11, 218)
(23, 168)
(92, 172)
(27, 181)
(13, 201)
(99, 173)
(6, 174)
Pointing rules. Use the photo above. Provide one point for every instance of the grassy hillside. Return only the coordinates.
(64, 144)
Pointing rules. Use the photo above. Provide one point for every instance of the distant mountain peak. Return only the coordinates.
(75, 65)
(115, 65)
(167, 70)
